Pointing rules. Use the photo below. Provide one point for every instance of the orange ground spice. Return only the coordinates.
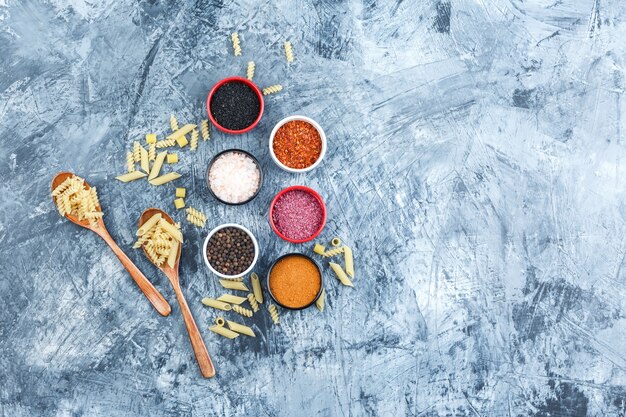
(295, 281)
(297, 144)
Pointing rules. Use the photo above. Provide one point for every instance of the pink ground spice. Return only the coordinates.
(297, 215)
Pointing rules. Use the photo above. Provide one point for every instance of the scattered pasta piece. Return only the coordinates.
(232, 299)
(233, 285)
(181, 192)
(182, 141)
(253, 303)
(151, 138)
(250, 70)
(73, 198)
(179, 203)
(160, 241)
(223, 331)
(288, 51)
(348, 261)
(219, 321)
(165, 143)
(173, 123)
(194, 140)
(274, 314)
(238, 279)
(195, 217)
(335, 242)
(256, 287)
(151, 151)
(243, 311)
(341, 274)
(220, 305)
(333, 252)
(272, 89)
(236, 43)
(130, 162)
(204, 129)
(145, 161)
(182, 131)
(165, 178)
(240, 328)
(321, 301)
(172, 158)
(156, 166)
(137, 151)
(131, 176)
(319, 249)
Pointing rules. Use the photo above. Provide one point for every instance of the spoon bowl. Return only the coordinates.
(58, 180)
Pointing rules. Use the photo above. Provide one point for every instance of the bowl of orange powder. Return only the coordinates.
(297, 144)
(295, 281)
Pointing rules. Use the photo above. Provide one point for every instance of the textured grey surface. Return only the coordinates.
(476, 164)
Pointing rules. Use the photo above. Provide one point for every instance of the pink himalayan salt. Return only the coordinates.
(234, 177)
(297, 215)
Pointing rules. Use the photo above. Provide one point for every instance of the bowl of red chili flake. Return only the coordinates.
(297, 144)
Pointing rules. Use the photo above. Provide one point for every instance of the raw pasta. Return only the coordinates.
(319, 249)
(165, 178)
(341, 274)
(238, 279)
(236, 43)
(288, 51)
(230, 298)
(333, 252)
(223, 331)
(160, 240)
(131, 176)
(335, 242)
(194, 140)
(145, 161)
(321, 301)
(240, 328)
(150, 138)
(220, 305)
(250, 70)
(233, 285)
(165, 143)
(130, 162)
(182, 131)
(348, 261)
(172, 158)
(151, 151)
(182, 141)
(274, 313)
(256, 287)
(220, 321)
(171, 230)
(253, 302)
(173, 123)
(243, 311)
(73, 198)
(181, 192)
(156, 166)
(172, 254)
(195, 217)
(204, 129)
(272, 89)
(149, 224)
(137, 151)
(179, 203)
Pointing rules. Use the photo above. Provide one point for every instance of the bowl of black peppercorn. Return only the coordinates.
(230, 250)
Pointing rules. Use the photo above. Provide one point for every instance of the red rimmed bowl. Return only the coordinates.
(254, 88)
(317, 197)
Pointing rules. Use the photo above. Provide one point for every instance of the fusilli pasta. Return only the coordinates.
(204, 129)
(288, 51)
(253, 302)
(242, 310)
(130, 162)
(250, 70)
(165, 143)
(194, 140)
(272, 89)
(274, 313)
(333, 252)
(236, 43)
(195, 217)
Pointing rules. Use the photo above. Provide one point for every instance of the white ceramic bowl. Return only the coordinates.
(315, 125)
(220, 227)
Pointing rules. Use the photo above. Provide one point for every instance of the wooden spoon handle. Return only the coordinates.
(152, 294)
(202, 355)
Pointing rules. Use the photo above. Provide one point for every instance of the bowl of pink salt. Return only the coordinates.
(297, 214)
(234, 177)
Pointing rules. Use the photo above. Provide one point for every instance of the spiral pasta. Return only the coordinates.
(274, 314)
(236, 43)
(204, 129)
(253, 302)
(242, 310)
(151, 151)
(165, 143)
(137, 152)
(333, 252)
(272, 89)
(173, 123)
(288, 51)
(250, 70)
(73, 198)
(195, 217)
(194, 140)
(130, 162)
(160, 240)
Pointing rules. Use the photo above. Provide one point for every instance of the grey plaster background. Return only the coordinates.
(476, 164)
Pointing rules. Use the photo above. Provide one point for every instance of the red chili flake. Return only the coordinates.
(297, 144)
(297, 215)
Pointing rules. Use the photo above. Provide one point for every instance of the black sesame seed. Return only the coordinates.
(235, 105)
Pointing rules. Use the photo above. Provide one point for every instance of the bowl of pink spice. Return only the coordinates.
(297, 214)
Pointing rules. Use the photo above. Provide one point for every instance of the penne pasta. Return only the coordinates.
(149, 224)
(165, 178)
(156, 166)
(220, 305)
(171, 256)
(233, 285)
(240, 328)
(230, 298)
(341, 275)
(335, 242)
(223, 331)
(145, 161)
(171, 229)
(256, 287)
(348, 260)
(219, 321)
(321, 301)
(131, 176)
(181, 132)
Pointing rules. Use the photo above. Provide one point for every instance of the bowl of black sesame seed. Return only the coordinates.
(230, 250)
(235, 105)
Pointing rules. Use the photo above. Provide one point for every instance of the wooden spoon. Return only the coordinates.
(202, 355)
(151, 293)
